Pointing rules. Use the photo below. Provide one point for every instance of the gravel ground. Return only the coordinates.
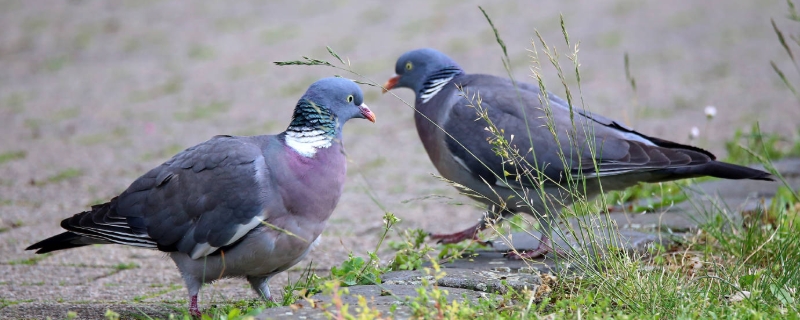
(94, 93)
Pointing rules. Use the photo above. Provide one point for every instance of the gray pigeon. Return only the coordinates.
(234, 206)
(447, 98)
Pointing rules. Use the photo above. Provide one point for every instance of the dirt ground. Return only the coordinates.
(95, 93)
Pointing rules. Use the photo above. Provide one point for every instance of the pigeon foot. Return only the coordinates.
(545, 247)
(470, 233)
(193, 310)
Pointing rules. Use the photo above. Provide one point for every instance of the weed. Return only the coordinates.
(773, 145)
(171, 86)
(12, 155)
(350, 272)
(355, 270)
(30, 261)
(411, 252)
(203, 111)
(65, 174)
(126, 266)
(200, 52)
(279, 34)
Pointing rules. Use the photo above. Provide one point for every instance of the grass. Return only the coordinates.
(204, 111)
(62, 175)
(165, 153)
(280, 34)
(126, 266)
(12, 155)
(171, 86)
(15, 102)
(29, 261)
(201, 52)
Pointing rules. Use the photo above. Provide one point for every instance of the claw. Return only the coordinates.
(193, 310)
(470, 233)
(545, 247)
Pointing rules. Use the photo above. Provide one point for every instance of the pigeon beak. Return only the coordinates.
(366, 112)
(389, 85)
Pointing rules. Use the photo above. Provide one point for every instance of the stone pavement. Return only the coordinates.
(93, 93)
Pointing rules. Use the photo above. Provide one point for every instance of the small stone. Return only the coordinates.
(530, 270)
(737, 297)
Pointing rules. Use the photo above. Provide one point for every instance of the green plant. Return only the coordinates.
(307, 285)
(772, 145)
(782, 39)
(411, 251)
(431, 301)
(355, 271)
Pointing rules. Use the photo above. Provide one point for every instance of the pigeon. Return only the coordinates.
(234, 206)
(451, 107)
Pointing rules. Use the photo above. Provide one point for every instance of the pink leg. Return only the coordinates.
(545, 247)
(193, 310)
(470, 233)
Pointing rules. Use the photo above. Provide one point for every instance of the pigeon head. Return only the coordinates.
(423, 70)
(321, 112)
(337, 97)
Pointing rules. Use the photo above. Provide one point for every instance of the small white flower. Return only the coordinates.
(694, 133)
(710, 111)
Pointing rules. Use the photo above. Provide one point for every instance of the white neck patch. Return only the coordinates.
(307, 142)
(433, 88)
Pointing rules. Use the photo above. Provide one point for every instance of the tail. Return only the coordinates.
(66, 240)
(101, 225)
(723, 170)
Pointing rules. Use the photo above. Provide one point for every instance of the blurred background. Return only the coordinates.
(95, 93)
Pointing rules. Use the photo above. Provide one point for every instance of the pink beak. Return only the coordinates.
(366, 112)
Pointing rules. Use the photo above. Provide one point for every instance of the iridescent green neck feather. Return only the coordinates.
(313, 127)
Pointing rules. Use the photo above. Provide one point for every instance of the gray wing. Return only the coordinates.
(626, 132)
(548, 141)
(206, 197)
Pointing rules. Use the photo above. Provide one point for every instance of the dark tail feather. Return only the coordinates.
(66, 240)
(725, 170)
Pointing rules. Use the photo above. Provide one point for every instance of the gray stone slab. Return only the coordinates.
(492, 281)
(380, 298)
(84, 311)
(628, 240)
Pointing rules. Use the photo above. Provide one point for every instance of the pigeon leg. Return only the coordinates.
(545, 247)
(193, 310)
(193, 285)
(471, 233)
(261, 287)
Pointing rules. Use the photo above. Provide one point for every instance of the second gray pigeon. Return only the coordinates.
(448, 103)
(232, 206)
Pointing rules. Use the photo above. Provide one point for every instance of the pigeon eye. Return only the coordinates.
(409, 66)
(350, 98)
